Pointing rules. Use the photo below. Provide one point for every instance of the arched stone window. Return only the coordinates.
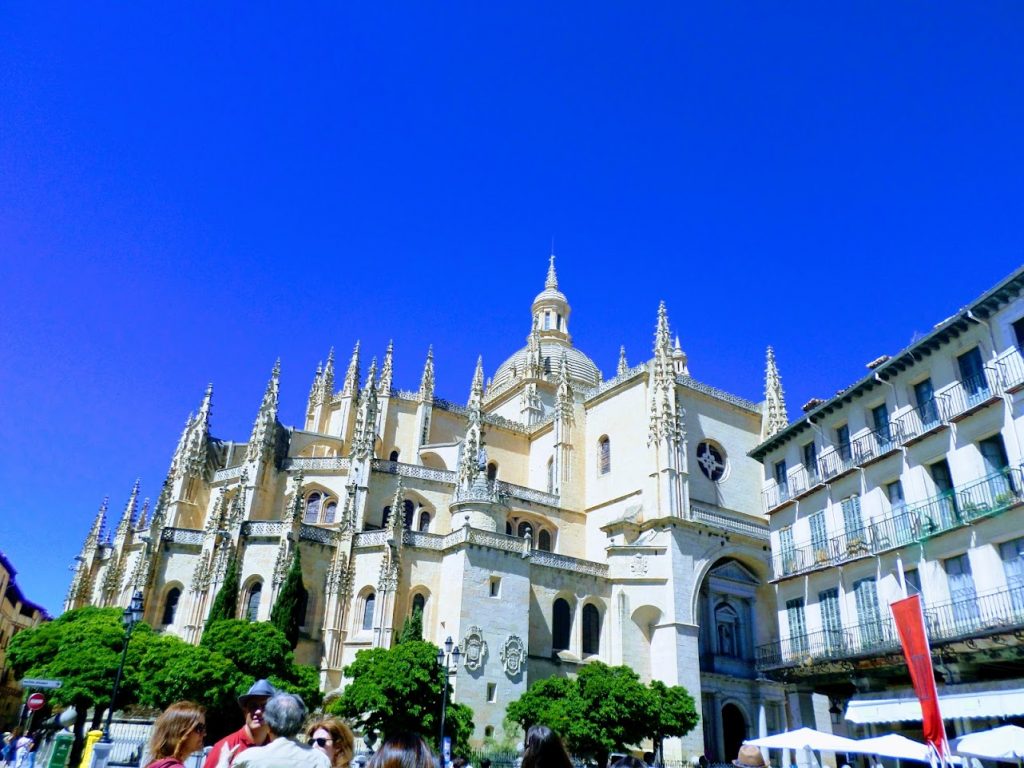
(424, 521)
(170, 606)
(410, 510)
(313, 502)
(544, 540)
(525, 529)
(419, 602)
(369, 603)
(561, 624)
(393, 456)
(727, 628)
(330, 511)
(591, 629)
(252, 603)
(604, 456)
(492, 471)
(508, 528)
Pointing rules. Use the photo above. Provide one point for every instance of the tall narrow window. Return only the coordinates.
(330, 511)
(591, 629)
(252, 604)
(851, 517)
(547, 321)
(544, 540)
(819, 537)
(393, 456)
(525, 531)
(961, 592)
(604, 456)
(902, 525)
(1012, 554)
(561, 621)
(924, 394)
(170, 606)
(1018, 332)
(972, 374)
(410, 510)
(780, 480)
(943, 512)
(868, 615)
(492, 471)
(832, 626)
(419, 603)
(312, 508)
(843, 441)
(797, 625)
(424, 521)
(880, 419)
(789, 564)
(810, 454)
(368, 607)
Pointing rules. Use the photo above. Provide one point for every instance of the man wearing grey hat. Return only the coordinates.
(252, 734)
(285, 714)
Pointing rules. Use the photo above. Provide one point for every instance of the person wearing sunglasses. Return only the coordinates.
(332, 737)
(252, 734)
(177, 733)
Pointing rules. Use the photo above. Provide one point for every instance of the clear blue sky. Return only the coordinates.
(188, 192)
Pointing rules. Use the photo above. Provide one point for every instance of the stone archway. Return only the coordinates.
(734, 731)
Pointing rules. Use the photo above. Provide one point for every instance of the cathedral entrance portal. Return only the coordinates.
(734, 730)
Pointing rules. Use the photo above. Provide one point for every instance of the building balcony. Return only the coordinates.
(973, 393)
(1010, 366)
(966, 504)
(867, 639)
(974, 615)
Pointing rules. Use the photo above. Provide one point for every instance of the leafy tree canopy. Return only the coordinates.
(673, 712)
(287, 613)
(398, 689)
(257, 648)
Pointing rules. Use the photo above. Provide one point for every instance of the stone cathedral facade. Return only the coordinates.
(557, 517)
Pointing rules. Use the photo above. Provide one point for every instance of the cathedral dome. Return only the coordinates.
(582, 369)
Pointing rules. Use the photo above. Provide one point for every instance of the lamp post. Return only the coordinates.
(443, 658)
(132, 615)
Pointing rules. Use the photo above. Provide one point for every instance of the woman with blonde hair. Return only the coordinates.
(177, 733)
(335, 739)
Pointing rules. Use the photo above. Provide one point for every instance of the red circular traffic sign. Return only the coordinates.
(36, 701)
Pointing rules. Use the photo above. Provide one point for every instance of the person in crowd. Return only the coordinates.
(177, 733)
(403, 750)
(335, 739)
(252, 734)
(7, 748)
(284, 715)
(485, 762)
(544, 749)
(749, 756)
(24, 748)
(628, 761)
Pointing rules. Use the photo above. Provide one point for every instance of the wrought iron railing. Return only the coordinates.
(972, 391)
(868, 638)
(875, 443)
(970, 615)
(819, 554)
(1011, 369)
(923, 418)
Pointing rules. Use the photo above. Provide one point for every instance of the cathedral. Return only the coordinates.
(557, 518)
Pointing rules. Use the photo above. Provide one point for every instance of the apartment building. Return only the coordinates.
(907, 481)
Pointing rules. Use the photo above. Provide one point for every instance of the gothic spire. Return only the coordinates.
(564, 397)
(664, 418)
(140, 525)
(365, 434)
(294, 512)
(471, 450)
(264, 428)
(350, 388)
(427, 379)
(128, 517)
(534, 368)
(396, 518)
(476, 391)
(387, 371)
(99, 525)
(190, 455)
(623, 366)
(774, 418)
(679, 360)
(327, 381)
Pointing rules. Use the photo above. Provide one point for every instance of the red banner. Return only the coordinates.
(910, 626)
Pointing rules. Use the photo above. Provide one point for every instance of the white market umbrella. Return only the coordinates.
(894, 745)
(1004, 743)
(806, 738)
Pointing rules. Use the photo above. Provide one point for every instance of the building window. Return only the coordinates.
(488, 731)
(508, 528)
(880, 420)
(961, 591)
(843, 441)
(1012, 555)
(591, 629)
(972, 374)
(913, 581)
(393, 456)
(810, 454)
(424, 521)
(170, 606)
(780, 479)
(419, 603)
(1018, 332)
(330, 511)
(727, 628)
(252, 604)
(544, 540)
(604, 456)
(852, 521)
(831, 624)
(492, 692)
(561, 622)
(786, 547)
(313, 502)
(547, 321)
(410, 511)
(868, 616)
(525, 531)
(924, 394)
(943, 513)
(797, 625)
(492, 471)
(819, 537)
(495, 586)
(369, 603)
(711, 460)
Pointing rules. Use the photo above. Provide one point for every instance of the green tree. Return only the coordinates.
(412, 627)
(673, 713)
(604, 709)
(399, 689)
(288, 610)
(225, 604)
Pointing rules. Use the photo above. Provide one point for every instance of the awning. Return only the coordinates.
(967, 704)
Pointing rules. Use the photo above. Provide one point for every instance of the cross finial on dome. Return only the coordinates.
(552, 280)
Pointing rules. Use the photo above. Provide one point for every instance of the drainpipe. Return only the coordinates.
(988, 326)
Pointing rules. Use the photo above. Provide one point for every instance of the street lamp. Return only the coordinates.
(443, 658)
(132, 615)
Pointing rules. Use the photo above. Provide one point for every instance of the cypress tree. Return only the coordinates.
(225, 604)
(412, 627)
(287, 614)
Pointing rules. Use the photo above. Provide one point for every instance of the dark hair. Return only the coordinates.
(544, 749)
(403, 750)
(628, 761)
(485, 763)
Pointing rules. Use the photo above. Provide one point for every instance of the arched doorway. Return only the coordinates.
(734, 731)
